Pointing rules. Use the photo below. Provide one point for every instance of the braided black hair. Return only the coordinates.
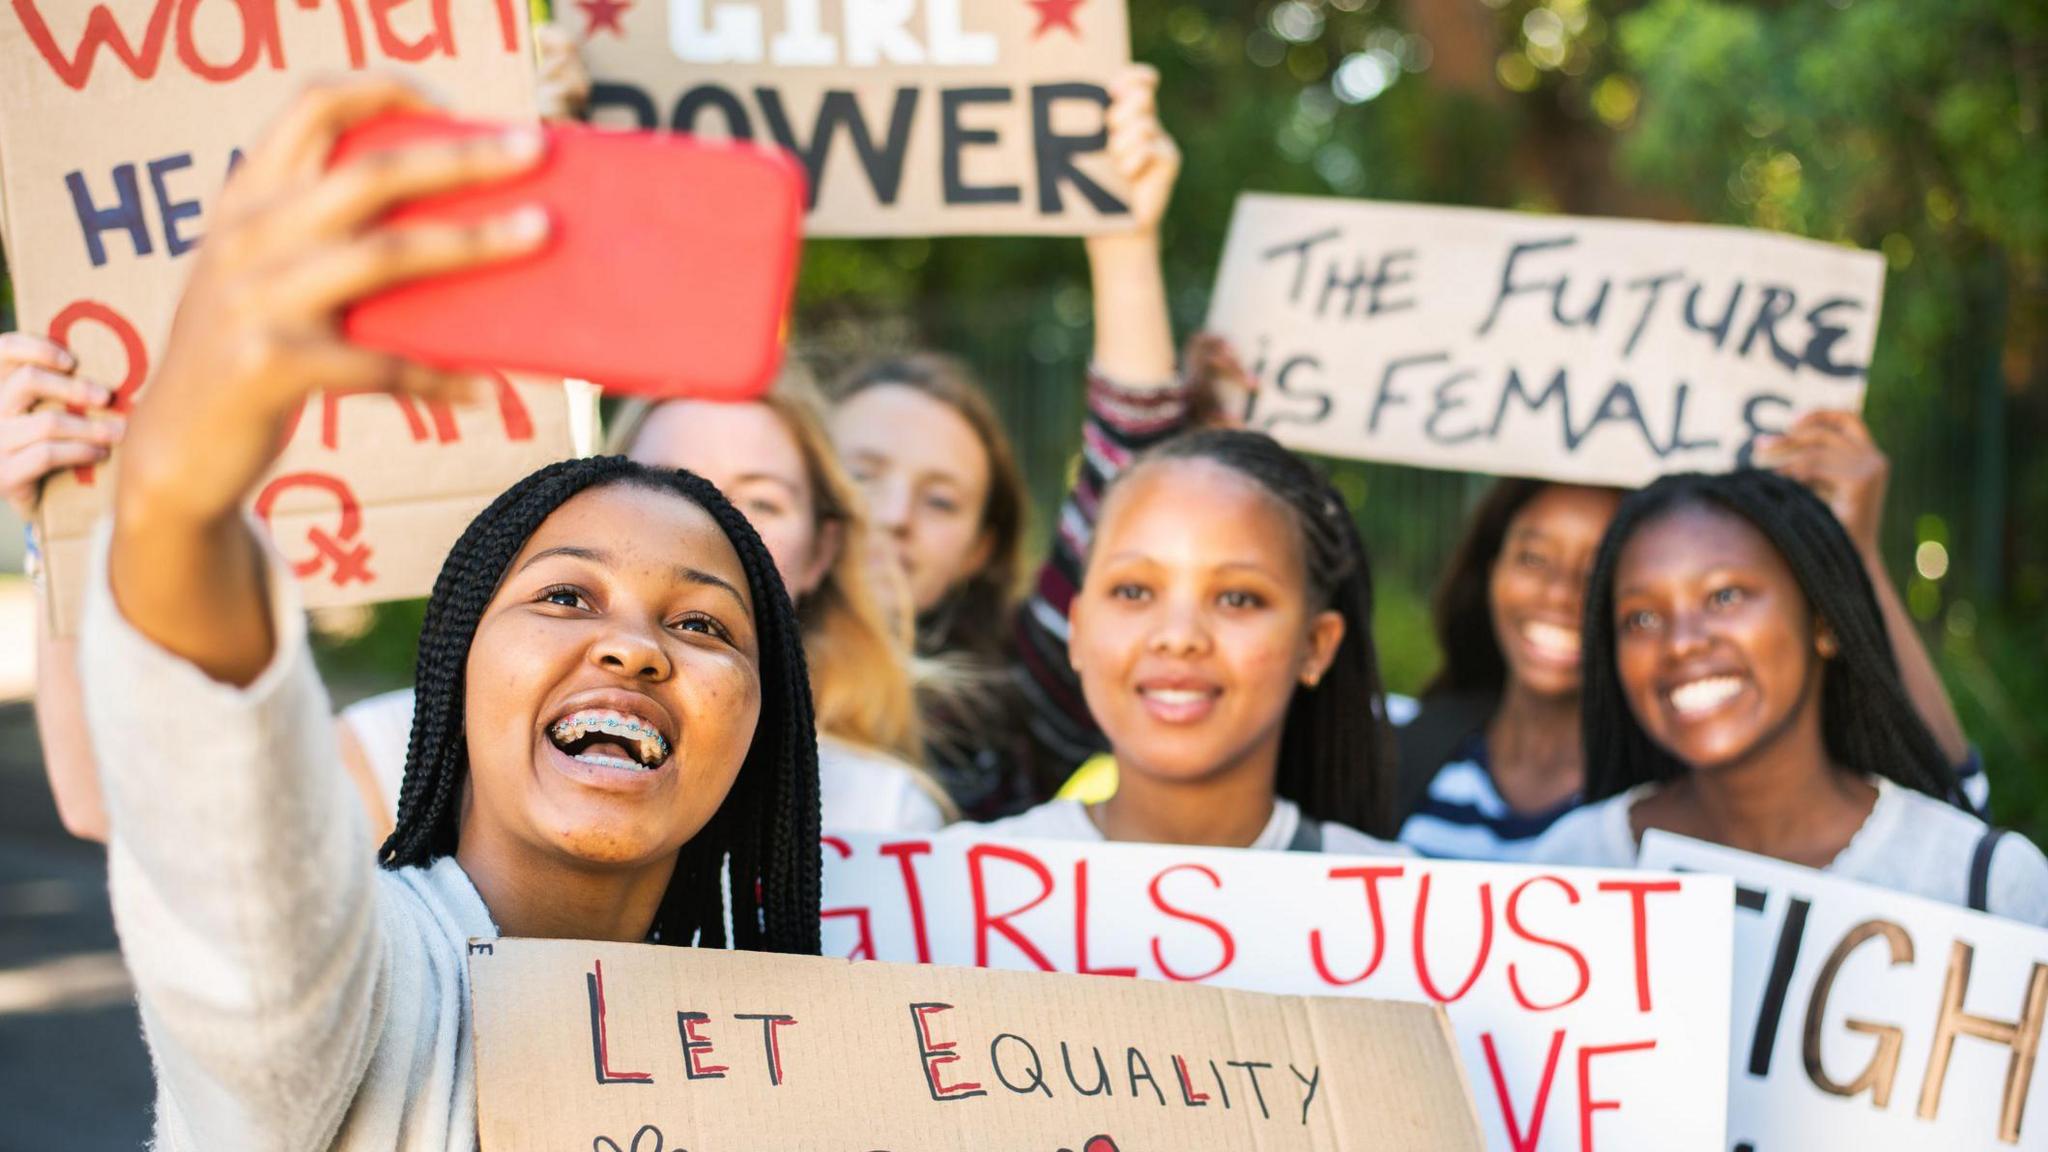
(767, 829)
(1868, 722)
(1336, 749)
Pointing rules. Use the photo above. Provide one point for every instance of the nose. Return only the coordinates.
(1178, 630)
(632, 651)
(1565, 589)
(889, 505)
(1687, 635)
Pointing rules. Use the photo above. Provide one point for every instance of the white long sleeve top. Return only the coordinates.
(293, 994)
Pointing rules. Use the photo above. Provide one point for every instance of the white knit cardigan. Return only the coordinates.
(294, 995)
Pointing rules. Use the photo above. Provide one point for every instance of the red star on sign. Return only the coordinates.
(1055, 14)
(603, 15)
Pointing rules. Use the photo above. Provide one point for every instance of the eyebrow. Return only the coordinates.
(1226, 566)
(570, 550)
(691, 575)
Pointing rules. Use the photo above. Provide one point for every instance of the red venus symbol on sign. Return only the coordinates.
(351, 560)
(1055, 14)
(603, 16)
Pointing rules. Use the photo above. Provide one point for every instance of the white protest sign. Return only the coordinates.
(1591, 1007)
(1873, 1020)
(913, 117)
(1566, 348)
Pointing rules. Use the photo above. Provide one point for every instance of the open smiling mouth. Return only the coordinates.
(609, 739)
(1700, 697)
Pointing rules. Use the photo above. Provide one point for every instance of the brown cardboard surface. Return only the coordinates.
(857, 1065)
(139, 107)
(778, 69)
(1566, 348)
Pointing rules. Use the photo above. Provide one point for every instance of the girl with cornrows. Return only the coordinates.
(773, 459)
(613, 708)
(1740, 689)
(1494, 758)
(1222, 639)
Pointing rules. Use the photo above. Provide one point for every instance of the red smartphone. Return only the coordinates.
(667, 271)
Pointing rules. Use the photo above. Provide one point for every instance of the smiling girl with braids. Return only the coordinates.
(1739, 689)
(1222, 636)
(613, 711)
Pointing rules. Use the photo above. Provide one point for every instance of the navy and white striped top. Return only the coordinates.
(1463, 816)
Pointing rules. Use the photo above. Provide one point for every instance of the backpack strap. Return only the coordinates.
(1308, 836)
(1429, 742)
(1980, 869)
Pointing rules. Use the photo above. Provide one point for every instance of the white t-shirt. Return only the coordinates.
(1909, 843)
(859, 790)
(1069, 820)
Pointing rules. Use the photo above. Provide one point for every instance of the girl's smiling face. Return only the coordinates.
(613, 685)
(1536, 591)
(926, 477)
(1193, 625)
(1718, 652)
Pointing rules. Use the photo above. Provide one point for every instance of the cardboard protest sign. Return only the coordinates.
(1873, 1020)
(119, 121)
(1591, 1007)
(916, 118)
(1565, 348)
(640, 1048)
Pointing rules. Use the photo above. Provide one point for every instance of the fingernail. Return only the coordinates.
(523, 143)
(526, 225)
(66, 360)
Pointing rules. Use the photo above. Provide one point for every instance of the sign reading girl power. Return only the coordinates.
(1591, 1007)
(1872, 1020)
(119, 122)
(640, 1048)
(913, 117)
(1566, 348)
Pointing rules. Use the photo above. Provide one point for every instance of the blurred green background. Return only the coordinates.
(1912, 127)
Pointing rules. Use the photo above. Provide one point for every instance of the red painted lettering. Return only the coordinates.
(1188, 1095)
(1372, 877)
(438, 39)
(1515, 925)
(259, 38)
(913, 895)
(936, 1052)
(1638, 897)
(1588, 1105)
(864, 945)
(985, 923)
(1223, 937)
(696, 1048)
(1421, 943)
(1081, 964)
(351, 561)
(600, 1043)
(100, 29)
(1519, 1140)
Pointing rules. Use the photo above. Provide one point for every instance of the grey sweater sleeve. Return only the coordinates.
(243, 881)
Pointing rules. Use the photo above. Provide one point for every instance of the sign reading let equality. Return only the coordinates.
(641, 1048)
(119, 122)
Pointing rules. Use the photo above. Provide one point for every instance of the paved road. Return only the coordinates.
(73, 1071)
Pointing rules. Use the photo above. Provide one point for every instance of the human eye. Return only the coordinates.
(563, 595)
(763, 507)
(1135, 593)
(702, 624)
(1727, 597)
(1640, 620)
(1531, 559)
(941, 502)
(1238, 598)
